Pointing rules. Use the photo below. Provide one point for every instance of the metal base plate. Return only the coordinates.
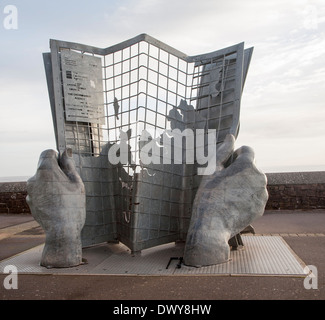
(261, 255)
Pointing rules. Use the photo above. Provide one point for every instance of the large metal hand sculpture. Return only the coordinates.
(56, 196)
(225, 204)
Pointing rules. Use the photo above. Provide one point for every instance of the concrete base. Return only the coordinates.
(261, 255)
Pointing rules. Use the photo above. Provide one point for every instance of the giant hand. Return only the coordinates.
(56, 197)
(225, 204)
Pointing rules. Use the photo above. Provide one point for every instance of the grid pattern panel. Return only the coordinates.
(143, 85)
(148, 87)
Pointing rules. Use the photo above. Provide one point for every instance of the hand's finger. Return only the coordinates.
(244, 155)
(47, 170)
(68, 166)
(48, 160)
(48, 167)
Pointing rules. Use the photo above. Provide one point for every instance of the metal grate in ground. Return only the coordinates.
(261, 255)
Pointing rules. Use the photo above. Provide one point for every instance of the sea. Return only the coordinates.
(14, 179)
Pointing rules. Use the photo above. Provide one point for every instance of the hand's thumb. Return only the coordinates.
(68, 166)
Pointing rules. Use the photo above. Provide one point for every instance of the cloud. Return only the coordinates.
(282, 104)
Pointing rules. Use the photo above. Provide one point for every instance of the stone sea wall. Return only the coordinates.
(13, 197)
(287, 191)
(296, 190)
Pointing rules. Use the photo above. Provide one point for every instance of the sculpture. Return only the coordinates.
(56, 197)
(110, 97)
(225, 204)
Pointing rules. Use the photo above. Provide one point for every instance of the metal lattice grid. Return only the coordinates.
(145, 86)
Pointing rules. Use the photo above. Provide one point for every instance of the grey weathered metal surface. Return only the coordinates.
(82, 87)
(147, 85)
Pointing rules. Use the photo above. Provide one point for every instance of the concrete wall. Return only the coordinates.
(287, 191)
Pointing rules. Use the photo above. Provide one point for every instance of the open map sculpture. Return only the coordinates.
(152, 132)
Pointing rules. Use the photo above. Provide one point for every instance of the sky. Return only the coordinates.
(283, 102)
